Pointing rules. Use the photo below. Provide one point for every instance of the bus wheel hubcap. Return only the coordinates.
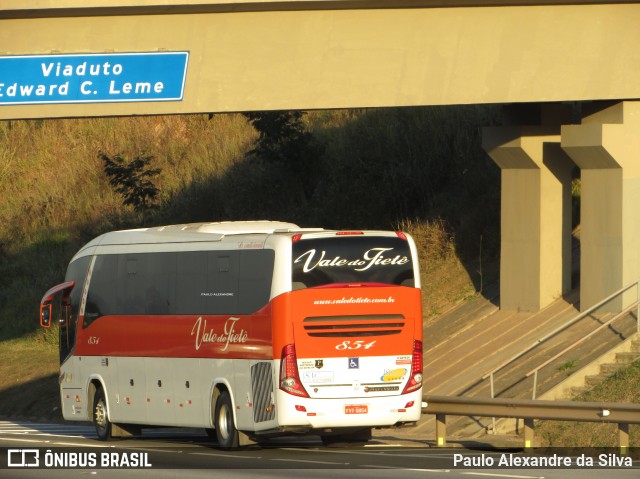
(223, 422)
(100, 415)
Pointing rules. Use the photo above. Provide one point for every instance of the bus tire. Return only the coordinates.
(226, 431)
(101, 416)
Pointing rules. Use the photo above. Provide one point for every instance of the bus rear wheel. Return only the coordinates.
(101, 416)
(225, 428)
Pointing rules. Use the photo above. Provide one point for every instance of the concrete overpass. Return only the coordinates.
(77, 58)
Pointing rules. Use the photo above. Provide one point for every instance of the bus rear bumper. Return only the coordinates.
(389, 411)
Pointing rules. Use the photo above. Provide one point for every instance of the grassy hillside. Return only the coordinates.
(623, 387)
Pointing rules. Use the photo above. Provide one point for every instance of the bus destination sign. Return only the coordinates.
(93, 78)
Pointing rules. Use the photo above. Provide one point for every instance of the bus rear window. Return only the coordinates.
(351, 260)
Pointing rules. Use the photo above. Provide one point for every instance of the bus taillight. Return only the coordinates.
(415, 380)
(289, 377)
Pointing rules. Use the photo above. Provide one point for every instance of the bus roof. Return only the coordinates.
(195, 232)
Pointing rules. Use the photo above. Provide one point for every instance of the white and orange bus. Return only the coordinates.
(246, 329)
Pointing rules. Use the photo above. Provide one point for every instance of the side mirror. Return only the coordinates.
(46, 311)
(46, 308)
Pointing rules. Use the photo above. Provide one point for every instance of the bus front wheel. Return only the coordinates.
(101, 416)
(225, 428)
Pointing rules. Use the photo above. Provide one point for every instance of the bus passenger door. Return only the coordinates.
(66, 322)
(70, 388)
(73, 400)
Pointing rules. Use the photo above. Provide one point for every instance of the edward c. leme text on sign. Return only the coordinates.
(92, 78)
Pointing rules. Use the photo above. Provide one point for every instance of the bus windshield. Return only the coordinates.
(351, 260)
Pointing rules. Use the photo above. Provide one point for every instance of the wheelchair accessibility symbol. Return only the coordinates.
(354, 363)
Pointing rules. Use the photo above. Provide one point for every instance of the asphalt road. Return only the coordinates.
(174, 454)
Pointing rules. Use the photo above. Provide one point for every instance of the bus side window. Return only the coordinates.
(102, 286)
(222, 280)
(256, 274)
(223, 264)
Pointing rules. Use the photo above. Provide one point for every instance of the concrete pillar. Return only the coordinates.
(535, 263)
(606, 147)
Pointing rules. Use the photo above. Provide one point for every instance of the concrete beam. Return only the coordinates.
(51, 8)
(318, 55)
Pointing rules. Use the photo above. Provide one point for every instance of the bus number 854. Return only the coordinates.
(354, 345)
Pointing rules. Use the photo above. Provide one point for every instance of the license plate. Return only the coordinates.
(356, 409)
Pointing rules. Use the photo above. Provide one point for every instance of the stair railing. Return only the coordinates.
(553, 333)
(621, 314)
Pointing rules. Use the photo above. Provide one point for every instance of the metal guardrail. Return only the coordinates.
(553, 333)
(528, 409)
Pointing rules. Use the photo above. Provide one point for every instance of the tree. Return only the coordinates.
(284, 142)
(133, 181)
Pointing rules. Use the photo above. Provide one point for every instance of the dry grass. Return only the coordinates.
(19, 352)
(29, 379)
(445, 280)
(622, 387)
(51, 177)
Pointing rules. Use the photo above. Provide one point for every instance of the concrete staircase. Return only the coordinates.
(470, 340)
(621, 359)
(581, 381)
